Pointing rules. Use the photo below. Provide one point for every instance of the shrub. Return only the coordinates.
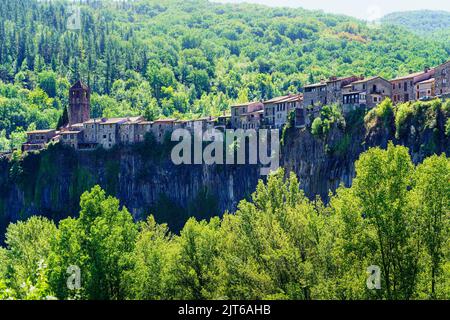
(385, 110)
(404, 112)
(316, 127)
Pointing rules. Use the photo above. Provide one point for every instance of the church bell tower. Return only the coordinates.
(79, 103)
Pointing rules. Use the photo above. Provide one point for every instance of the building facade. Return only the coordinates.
(315, 94)
(252, 120)
(239, 109)
(37, 139)
(269, 110)
(284, 107)
(425, 89)
(442, 79)
(404, 88)
(335, 86)
(366, 93)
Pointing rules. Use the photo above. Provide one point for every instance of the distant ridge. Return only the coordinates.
(422, 22)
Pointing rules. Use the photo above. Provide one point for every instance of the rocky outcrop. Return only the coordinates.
(146, 181)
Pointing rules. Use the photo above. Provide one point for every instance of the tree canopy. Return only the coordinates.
(187, 58)
(277, 245)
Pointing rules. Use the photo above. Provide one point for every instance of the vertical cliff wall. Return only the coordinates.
(146, 181)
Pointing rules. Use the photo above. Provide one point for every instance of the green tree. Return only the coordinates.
(152, 261)
(47, 82)
(196, 269)
(98, 242)
(28, 245)
(431, 202)
(381, 184)
(4, 141)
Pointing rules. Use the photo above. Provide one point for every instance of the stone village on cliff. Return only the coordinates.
(350, 93)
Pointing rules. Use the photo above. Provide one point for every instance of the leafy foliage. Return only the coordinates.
(329, 115)
(279, 245)
(182, 57)
(435, 24)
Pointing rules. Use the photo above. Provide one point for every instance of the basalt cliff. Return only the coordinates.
(146, 181)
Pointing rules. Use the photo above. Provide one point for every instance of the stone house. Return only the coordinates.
(269, 110)
(72, 138)
(284, 107)
(90, 132)
(335, 86)
(315, 94)
(161, 127)
(205, 123)
(180, 124)
(128, 130)
(108, 132)
(404, 88)
(315, 97)
(425, 89)
(442, 79)
(238, 109)
(365, 93)
(142, 128)
(223, 122)
(37, 139)
(252, 120)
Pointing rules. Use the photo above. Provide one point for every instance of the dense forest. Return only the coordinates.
(425, 23)
(279, 245)
(181, 58)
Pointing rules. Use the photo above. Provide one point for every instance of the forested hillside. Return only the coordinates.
(180, 57)
(424, 22)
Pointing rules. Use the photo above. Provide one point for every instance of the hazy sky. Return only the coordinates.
(363, 9)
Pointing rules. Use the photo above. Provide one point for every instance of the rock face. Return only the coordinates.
(50, 183)
(147, 182)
